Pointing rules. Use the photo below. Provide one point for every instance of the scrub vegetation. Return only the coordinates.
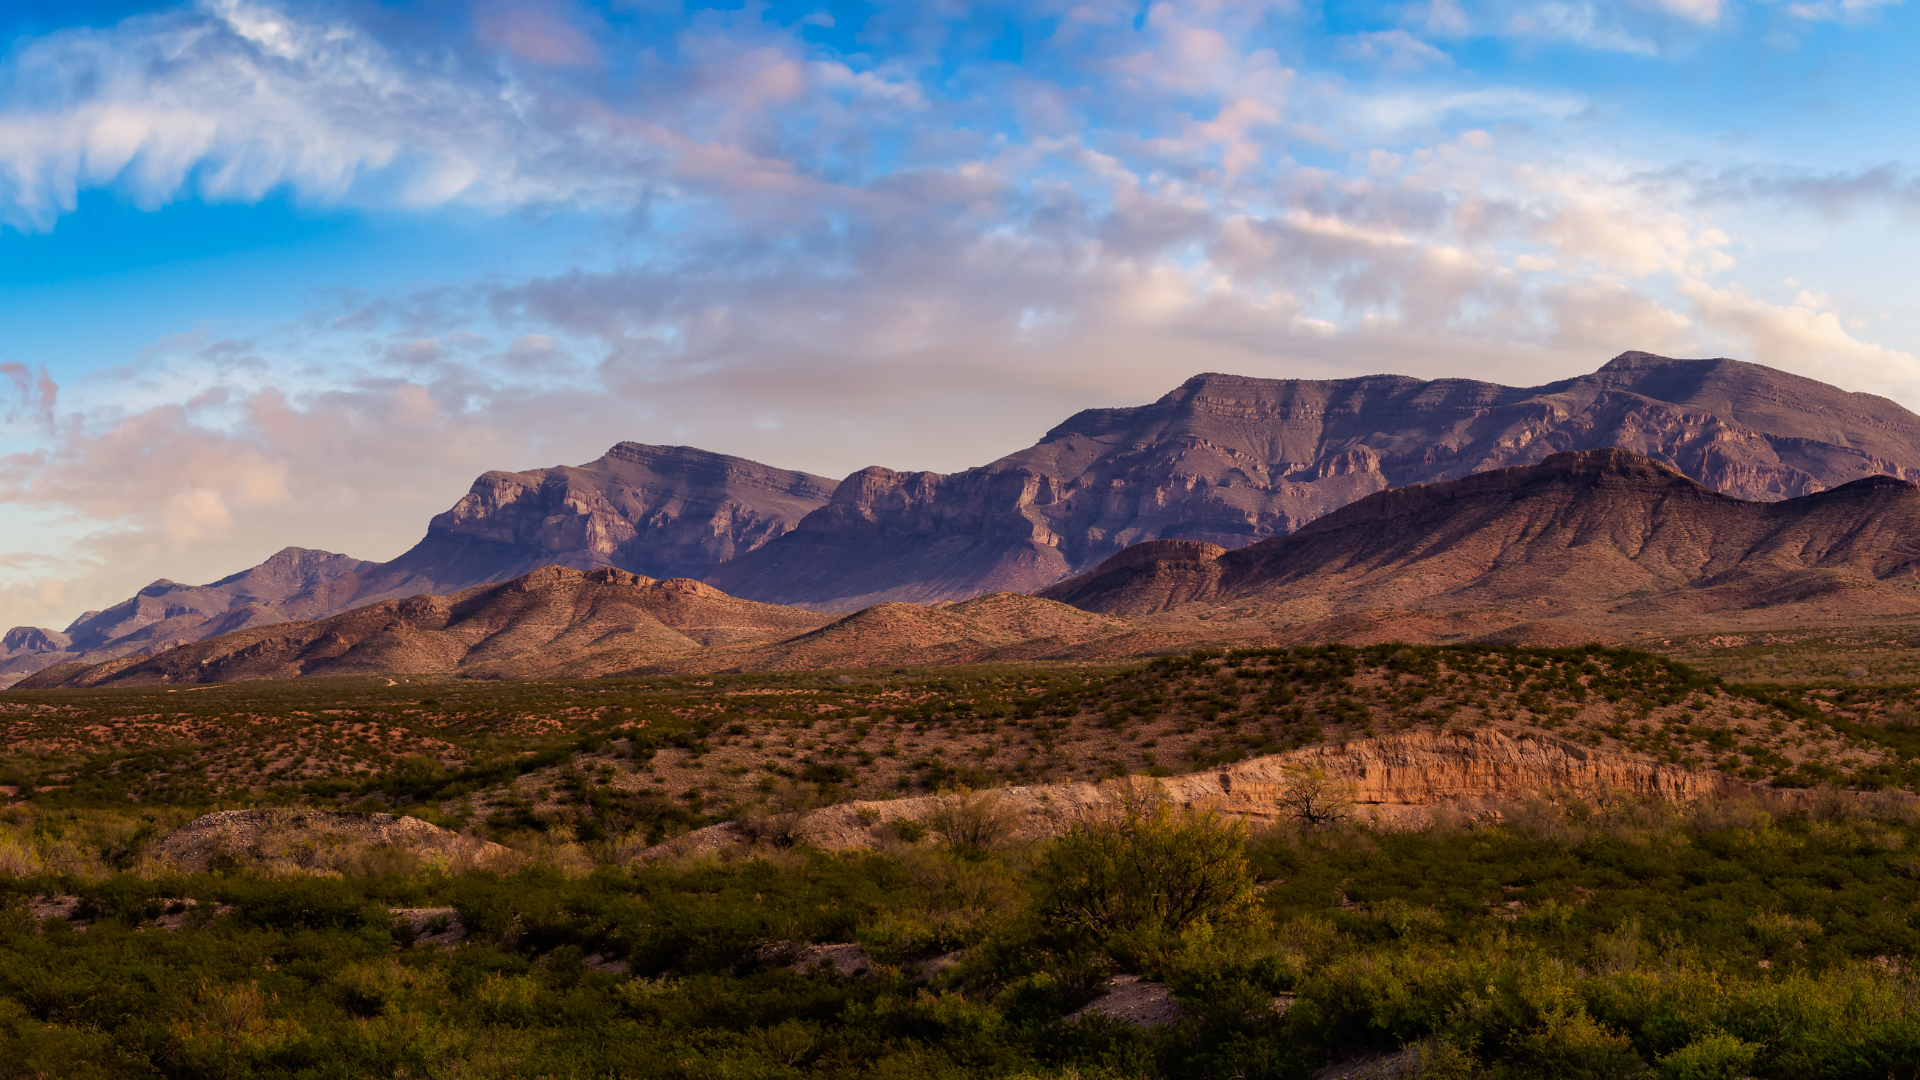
(659, 754)
(1651, 942)
(1627, 939)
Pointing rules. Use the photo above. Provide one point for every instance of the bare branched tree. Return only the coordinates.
(1313, 800)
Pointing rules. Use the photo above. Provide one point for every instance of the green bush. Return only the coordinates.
(1716, 1056)
(1139, 866)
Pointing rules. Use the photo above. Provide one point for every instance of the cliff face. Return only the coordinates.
(657, 511)
(1592, 535)
(660, 511)
(1232, 461)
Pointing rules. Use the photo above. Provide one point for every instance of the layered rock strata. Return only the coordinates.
(1396, 781)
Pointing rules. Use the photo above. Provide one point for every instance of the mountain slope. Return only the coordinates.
(1232, 461)
(999, 626)
(1600, 536)
(556, 620)
(167, 613)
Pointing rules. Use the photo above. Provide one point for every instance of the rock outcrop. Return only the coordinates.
(1232, 461)
(316, 840)
(1398, 781)
(1599, 536)
(1404, 778)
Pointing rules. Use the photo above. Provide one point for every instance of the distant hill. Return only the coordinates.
(558, 622)
(1599, 538)
(166, 613)
(555, 621)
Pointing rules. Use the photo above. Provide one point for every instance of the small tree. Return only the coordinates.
(1139, 864)
(1312, 800)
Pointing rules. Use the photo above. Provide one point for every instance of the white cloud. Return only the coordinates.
(1805, 335)
(874, 256)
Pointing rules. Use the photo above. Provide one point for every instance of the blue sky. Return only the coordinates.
(282, 274)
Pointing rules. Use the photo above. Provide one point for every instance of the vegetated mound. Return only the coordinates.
(711, 617)
(317, 841)
(1231, 460)
(554, 621)
(1597, 537)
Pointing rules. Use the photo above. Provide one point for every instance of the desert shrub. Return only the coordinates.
(1138, 865)
(30, 1049)
(975, 822)
(776, 819)
(1716, 1056)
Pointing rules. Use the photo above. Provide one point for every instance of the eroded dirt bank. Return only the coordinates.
(1395, 781)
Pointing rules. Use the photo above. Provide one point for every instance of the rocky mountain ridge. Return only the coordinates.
(1586, 545)
(1232, 461)
(660, 511)
(656, 511)
(1604, 538)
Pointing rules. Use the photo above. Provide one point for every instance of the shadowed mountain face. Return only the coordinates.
(167, 613)
(656, 511)
(1601, 537)
(1232, 461)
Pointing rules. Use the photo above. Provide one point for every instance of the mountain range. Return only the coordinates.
(1584, 545)
(1222, 460)
(1605, 538)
